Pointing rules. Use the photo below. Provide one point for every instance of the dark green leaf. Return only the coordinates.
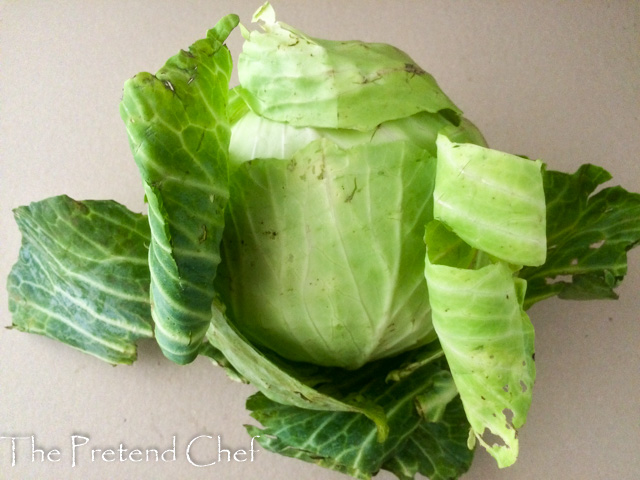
(347, 442)
(82, 276)
(588, 236)
(179, 135)
(437, 450)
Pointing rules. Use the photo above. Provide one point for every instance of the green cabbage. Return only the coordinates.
(334, 232)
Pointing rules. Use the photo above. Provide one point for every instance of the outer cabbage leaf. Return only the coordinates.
(179, 135)
(347, 442)
(493, 200)
(490, 209)
(333, 84)
(437, 449)
(82, 276)
(277, 380)
(588, 237)
(488, 342)
(219, 360)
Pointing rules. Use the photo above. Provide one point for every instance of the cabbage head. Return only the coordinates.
(332, 172)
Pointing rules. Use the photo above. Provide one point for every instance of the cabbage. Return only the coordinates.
(334, 232)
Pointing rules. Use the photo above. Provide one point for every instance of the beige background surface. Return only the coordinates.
(557, 82)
